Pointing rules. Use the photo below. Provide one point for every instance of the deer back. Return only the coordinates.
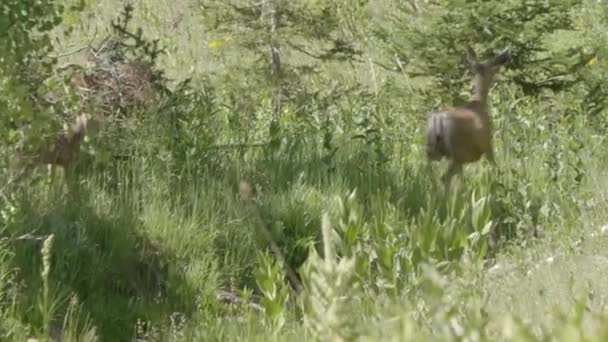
(461, 133)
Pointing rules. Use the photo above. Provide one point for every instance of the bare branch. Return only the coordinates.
(86, 46)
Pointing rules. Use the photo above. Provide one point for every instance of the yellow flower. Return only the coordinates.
(216, 44)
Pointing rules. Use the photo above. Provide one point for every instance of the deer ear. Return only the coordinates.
(471, 56)
(503, 57)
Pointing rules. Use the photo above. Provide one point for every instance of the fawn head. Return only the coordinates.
(85, 125)
(89, 123)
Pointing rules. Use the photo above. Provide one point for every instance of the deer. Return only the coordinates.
(64, 151)
(463, 134)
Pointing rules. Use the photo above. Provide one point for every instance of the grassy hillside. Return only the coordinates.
(220, 221)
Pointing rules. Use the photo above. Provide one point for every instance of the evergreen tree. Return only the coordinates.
(432, 40)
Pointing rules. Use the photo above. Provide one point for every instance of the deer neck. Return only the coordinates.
(481, 89)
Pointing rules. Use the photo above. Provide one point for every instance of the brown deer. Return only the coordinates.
(65, 149)
(463, 134)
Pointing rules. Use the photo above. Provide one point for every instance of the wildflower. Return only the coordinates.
(216, 44)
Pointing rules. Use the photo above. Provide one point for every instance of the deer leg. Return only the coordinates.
(51, 173)
(454, 169)
(71, 179)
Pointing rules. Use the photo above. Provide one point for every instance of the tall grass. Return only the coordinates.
(150, 249)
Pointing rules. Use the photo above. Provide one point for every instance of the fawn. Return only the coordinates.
(464, 133)
(64, 150)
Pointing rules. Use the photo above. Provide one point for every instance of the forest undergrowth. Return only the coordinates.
(261, 172)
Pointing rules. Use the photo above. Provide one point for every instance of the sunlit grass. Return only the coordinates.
(516, 252)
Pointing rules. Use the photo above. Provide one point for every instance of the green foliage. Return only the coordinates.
(283, 47)
(292, 219)
(25, 43)
(318, 107)
(431, 43)
(330, 291)
(270, 281)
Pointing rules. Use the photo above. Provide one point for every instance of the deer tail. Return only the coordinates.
(438, 130)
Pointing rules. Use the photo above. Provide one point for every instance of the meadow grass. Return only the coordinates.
(141, 251)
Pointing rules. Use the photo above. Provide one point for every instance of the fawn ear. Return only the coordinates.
(502, 58)
(471, 56)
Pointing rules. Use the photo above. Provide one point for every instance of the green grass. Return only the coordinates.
(141, 251)
(128, 261)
